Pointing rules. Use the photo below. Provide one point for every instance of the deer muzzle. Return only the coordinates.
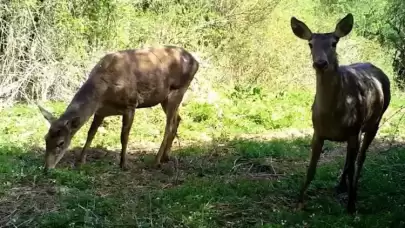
(51, 160)
(321, 64)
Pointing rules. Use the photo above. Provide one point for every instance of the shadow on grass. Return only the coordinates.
(239, 183)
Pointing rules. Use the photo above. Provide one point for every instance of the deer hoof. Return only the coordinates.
(78, 164)
(165, 159)
(300, 206)
(157, 165)
(46, 171)
(340, 189)
(124, 167)
(351, 209)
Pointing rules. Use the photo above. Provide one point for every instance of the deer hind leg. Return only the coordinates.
(97, 120)
(173, 133)
(177, 119)
(316, 147)
(170, 106)
(368, 138)
(353, 145)
(342, 186)
(127, 120)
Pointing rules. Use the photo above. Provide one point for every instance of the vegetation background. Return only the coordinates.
(243, 145)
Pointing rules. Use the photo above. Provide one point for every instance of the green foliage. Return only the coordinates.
(202, 112)
(383, 21)
(239, 43)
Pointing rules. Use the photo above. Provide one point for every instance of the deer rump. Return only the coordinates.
(359, 105)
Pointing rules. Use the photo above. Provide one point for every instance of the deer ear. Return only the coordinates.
(344, 26)
(300, 29)
(48, 116)
(74, 123)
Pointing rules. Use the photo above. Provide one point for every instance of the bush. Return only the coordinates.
(382, 21)
(48, 47)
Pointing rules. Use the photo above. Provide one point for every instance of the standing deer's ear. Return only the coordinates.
(344, 26)
(48, 116)
(300, 29)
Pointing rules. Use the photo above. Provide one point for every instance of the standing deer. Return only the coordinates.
(349, 100)
(120, 83)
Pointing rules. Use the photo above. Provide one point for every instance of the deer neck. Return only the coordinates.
(328, 88)
(84, 104)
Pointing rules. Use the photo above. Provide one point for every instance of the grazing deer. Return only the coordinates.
(349, 100)
(118, 84)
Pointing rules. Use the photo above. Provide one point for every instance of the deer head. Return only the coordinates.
(58, 138)
(323, 45)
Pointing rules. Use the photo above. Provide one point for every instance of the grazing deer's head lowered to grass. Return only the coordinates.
(57, 140)
(120, 83)
(349, 100)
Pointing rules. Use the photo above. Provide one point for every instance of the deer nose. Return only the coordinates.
(320, 64)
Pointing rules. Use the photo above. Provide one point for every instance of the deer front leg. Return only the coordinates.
(127, 120)
(316, 149)
(97, 120)
(353, 145)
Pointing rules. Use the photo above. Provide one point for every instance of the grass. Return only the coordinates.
(246, 173)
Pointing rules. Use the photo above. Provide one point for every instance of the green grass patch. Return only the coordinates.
(247, 175)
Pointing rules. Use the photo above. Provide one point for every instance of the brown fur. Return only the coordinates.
(350, 100)
(118, 84)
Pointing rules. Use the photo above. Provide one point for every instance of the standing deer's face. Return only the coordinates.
(58, 138)
(323, 45)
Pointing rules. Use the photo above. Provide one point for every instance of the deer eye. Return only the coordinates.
(60, 143)
(334, 43)
(55, 133)
(310, 45)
